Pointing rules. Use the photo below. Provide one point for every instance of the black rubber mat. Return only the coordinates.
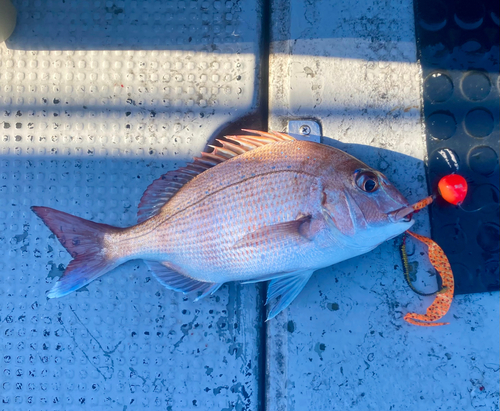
(458, 48)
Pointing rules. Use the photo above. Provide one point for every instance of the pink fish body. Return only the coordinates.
(267, 208)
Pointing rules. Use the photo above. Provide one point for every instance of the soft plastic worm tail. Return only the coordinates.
(444, 297)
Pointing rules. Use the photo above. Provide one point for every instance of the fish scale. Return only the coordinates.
(242, 179)
(215, 252)
(258, 208)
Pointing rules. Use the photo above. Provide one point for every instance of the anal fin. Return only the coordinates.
(176, 281)
(286, 289)
(209, 290)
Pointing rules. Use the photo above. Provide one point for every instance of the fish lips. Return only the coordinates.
(403, 214)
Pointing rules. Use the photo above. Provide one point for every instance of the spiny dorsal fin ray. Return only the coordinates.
(276, 135)
(234, 148)
(164, 188)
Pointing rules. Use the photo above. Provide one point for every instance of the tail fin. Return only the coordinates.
(84, 241)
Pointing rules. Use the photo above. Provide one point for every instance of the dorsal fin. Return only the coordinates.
(164, 188)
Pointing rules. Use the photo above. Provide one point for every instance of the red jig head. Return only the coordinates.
(453, 188)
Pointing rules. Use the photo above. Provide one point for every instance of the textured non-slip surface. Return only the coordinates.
(127, 24)
(343, 343)
(87, 122)
(458, 48)
(103, 100)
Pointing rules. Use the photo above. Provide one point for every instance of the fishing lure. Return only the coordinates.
(444, 297)
(452, 188)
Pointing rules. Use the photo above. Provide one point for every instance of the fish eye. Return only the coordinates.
(367, 181)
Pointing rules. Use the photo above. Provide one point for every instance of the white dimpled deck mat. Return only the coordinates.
(97, 99)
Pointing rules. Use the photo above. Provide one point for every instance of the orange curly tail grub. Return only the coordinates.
(442, 302)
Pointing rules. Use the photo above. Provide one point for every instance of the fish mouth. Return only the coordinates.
(402, 214)
(405, 213)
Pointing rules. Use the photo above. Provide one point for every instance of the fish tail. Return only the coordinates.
(84, 240)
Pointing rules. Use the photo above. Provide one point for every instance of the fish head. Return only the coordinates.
(362, 205)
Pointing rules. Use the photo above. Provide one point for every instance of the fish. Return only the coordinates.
(258, 207)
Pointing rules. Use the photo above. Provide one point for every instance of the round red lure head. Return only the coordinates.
(453, 188)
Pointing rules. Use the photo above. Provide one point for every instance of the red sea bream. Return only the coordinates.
(259, 208)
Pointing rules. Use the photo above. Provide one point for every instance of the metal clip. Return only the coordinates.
(307, 130)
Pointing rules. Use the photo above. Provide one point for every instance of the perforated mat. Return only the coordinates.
(97, 100)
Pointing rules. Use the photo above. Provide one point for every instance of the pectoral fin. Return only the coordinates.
(286, 289)
(277, 233)
(176, 281)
